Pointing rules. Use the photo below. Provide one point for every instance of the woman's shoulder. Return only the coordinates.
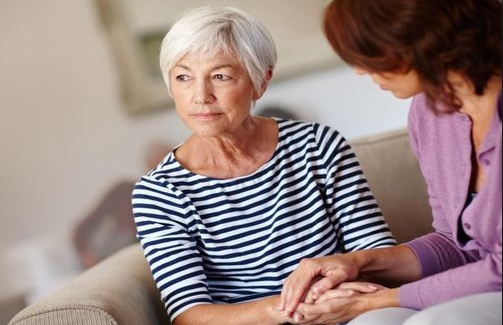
(301, 128)
(166, 169)
(311, 136)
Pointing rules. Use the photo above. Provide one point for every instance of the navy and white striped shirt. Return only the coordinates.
(234, 240)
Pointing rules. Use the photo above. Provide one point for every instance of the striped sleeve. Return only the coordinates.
(164, 225)
(351, 204)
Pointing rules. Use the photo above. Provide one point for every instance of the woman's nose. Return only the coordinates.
(359, 71)
(203, 92)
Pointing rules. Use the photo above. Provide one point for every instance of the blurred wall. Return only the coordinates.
(65, 138)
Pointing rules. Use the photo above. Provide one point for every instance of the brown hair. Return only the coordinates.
(432, 37)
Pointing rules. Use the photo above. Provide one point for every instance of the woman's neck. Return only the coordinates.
(472, 104)
(231, 155)
(481, 110)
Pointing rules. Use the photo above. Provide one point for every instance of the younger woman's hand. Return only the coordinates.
(345, 302)
(349, 289)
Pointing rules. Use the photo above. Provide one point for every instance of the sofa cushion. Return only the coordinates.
(394, 177)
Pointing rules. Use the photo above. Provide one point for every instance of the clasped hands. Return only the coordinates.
(321, 291)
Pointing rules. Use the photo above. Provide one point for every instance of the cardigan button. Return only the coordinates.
(467, 226)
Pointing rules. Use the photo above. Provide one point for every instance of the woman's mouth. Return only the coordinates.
(206, 116)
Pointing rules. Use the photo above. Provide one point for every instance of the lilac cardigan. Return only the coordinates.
(452, 268)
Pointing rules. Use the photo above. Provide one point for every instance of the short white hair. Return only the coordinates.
(211, 29)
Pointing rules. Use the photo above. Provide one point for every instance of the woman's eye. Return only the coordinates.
(222, 77)
(182, 77)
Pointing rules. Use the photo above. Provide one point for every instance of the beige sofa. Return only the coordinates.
(120, 290)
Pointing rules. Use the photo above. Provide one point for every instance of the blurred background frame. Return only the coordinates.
(135, 41)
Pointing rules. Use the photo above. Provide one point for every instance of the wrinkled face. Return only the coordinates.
(401, 85)
(213, 95)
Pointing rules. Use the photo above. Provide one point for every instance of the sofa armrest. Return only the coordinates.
(119, 290)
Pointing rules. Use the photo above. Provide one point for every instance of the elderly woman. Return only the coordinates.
(229, 213)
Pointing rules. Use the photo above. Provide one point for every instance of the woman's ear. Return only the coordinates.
(264, 85)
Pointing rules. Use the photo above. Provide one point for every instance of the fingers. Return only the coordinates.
(336, 293)
(298, 318)
(363, 287)
(323, 285)
(339, 305)
(348, 289)
(297, 285)
(333, 310)
(330, 312)
(310, 311)
(292, 295)
(317, 290)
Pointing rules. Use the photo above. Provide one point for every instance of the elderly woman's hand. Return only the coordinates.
(313, 277)
(342, 303)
